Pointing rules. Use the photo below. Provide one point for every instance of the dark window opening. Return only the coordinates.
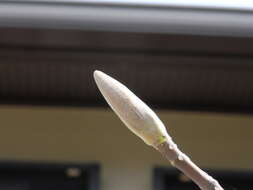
(171, 179)
(50, 176)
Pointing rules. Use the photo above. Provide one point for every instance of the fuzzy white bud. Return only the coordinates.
(134, 113)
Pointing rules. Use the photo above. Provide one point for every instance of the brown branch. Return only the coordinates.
(181, 161)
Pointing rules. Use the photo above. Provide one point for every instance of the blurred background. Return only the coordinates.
(191, 61)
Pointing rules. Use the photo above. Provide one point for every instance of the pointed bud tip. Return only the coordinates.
(96, 74)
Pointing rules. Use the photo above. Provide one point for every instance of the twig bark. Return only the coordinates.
(181, 161)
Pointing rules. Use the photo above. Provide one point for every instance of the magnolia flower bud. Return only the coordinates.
(134, 113)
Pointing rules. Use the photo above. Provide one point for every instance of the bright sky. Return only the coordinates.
(229, 4)
(234, 4)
